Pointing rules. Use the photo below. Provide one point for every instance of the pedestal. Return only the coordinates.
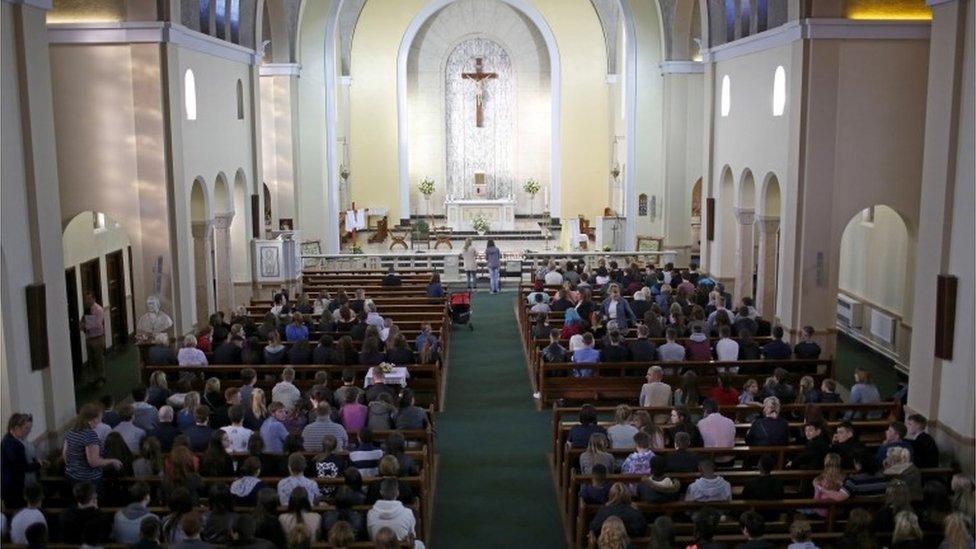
(223, 268)
(610, 232)
(203, 269)
(500, 213)
(744, 253)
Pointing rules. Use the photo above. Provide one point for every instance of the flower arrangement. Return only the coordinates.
(480, 224)
(532, 187)
(426, 187)
(386, 367)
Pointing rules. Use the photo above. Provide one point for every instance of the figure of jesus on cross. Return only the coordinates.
(479, 77)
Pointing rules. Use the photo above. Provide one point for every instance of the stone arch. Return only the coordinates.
(222, 199)
(271, 13)
(527, 9)
(768, 222)
(725, 223)
(95, 238)
(240, 229)
(200, 202)
(746, 190)
(875, 258)
(201, 228)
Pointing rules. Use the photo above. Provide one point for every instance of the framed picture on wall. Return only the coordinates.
(36, 326)
(650, 243)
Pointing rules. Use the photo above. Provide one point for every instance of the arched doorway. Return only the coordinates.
(201, 227)
(723, 254)
(875, 281)
(240, 252)
(98, 259)
(696, 216)
(767, 272)
(745, 215)
(223, 218)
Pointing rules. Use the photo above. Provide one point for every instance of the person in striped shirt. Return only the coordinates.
(323, 425)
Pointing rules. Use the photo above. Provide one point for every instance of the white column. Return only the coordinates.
(744, 254)
(223, 267)
(766, 273)
(203, 269)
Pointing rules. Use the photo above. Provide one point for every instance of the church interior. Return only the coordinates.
(478, 272)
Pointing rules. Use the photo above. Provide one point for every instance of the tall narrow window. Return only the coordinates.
(190, 95)
(240, 100)
(779, 91)
(726, 95)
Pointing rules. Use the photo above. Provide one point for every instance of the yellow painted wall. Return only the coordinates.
(373, 103)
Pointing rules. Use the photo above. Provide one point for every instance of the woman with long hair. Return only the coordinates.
(150, 461)
(398, 351)
(907, 533)
(275, 352)
(255, 411)
(266, 522)
(897, 499)
(220, 520)
(596, 452)
(216, 461)
(613, 535)
(81, 451)
(344, 317)
(345, 354)
(619, 505)
(184, 418)
(213, 398)
(158, 390)
(957, 535)
(962, 494)
(428, 353)
(642, 420)
(180, 472)
(688, 394)
(299, 519)
(469, 256)
(181, 501)
(371, 355)
(858, 534)
(493, 257)
(828, 482)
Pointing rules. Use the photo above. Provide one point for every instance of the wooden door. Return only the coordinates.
(74, 320)
(91, 279)
(115, 271)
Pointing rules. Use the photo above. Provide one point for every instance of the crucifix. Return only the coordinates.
(479, 77)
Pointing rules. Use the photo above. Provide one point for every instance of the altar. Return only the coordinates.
(499, 212)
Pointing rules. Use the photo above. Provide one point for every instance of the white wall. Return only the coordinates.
(82, 243)
(30, 247)
(874, 261)
(217, 142)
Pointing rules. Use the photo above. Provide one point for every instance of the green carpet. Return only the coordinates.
(494, 487)
(853, 354)
(121, 375)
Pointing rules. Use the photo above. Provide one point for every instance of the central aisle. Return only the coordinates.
(494, 487)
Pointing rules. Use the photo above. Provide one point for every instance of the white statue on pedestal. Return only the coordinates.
(154, 322)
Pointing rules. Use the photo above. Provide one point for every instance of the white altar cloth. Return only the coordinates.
(500, 213)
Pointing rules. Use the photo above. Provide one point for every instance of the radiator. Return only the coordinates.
(850, 312)
(883, 328)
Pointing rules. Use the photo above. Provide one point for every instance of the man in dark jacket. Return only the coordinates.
(614, 351)
(643, 349)
(765, 486)
(846, 445)
(925, 453)
(229, 352)
(681, 460)
(83, 523)
(817, 446)
(777, 349)
(554, 352)
(391, 278)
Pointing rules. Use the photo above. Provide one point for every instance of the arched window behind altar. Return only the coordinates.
(480, 158)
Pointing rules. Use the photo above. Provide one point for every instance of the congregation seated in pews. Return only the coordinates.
(671, 462)
(338, 467)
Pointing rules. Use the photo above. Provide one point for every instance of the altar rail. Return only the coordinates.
(449, 263)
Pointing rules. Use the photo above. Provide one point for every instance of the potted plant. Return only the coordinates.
(531, 188)
(427, 189)
(480, 224)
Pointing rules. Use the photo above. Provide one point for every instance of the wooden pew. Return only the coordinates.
(622, 381)
(425, 379)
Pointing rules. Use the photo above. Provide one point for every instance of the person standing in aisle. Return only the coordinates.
(493, 256)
